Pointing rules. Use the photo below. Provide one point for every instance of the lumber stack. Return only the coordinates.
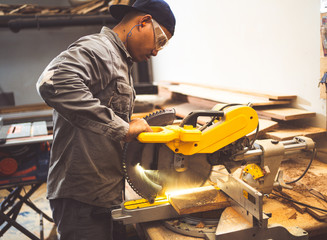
(277, 120)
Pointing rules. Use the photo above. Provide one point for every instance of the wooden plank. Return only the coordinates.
(18, 9)
(199, 200)
(287, 132)
(223, 96)
(285, 114)
(264, 126)
(251, 93)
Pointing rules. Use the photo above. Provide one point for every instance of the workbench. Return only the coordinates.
(282, 211)
(26, 148)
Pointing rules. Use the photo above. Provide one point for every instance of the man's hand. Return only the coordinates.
(136, 126)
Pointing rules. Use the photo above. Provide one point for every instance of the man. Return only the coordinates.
(91, 90)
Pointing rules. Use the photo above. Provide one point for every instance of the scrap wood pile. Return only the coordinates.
(92, 7)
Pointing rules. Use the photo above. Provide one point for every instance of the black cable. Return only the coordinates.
(305, 171)
(299, 203)
(214, 118)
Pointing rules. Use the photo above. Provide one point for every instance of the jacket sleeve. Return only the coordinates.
(64, 86)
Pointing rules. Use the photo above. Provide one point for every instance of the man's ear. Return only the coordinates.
(145, 19)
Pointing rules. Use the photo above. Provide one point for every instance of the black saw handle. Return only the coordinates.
(192, 117)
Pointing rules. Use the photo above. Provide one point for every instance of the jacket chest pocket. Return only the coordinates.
(121, 100)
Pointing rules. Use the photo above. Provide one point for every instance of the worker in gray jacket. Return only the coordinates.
(90, 88)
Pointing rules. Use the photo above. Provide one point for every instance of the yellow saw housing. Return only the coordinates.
(237, 122)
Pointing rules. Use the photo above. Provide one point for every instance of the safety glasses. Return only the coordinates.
(160, 37)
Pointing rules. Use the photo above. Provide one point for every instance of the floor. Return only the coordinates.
(31, 220)
(28, 218)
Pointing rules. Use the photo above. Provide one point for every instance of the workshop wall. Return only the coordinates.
(25, 54)
(268, 46)
(254, 45)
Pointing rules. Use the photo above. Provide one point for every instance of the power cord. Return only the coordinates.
(299, 203)
(305, 171)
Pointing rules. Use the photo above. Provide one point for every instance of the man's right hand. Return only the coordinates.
(136, 126)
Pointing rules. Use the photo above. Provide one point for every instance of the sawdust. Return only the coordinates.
(315, 178)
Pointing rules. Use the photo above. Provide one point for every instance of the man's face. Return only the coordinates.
(143, 43)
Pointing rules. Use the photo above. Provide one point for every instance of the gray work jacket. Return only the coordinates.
(91, 91)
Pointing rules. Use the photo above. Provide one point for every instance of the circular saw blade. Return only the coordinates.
(150, 170)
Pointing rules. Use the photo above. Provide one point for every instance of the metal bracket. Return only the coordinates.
(244, 195)
(246, 219)
(148, 214)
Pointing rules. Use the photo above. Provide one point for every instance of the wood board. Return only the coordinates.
(289, 132)
(285, 113)
(269, 96)
(224, 97)
(200, 200)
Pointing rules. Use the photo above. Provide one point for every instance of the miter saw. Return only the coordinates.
(181, 156)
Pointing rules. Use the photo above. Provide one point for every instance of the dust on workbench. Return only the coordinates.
(315, 178)
(289, 214)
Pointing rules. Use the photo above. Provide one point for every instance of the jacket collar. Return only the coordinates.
(114, 37)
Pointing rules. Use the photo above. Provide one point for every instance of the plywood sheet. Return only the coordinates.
(285, 113)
